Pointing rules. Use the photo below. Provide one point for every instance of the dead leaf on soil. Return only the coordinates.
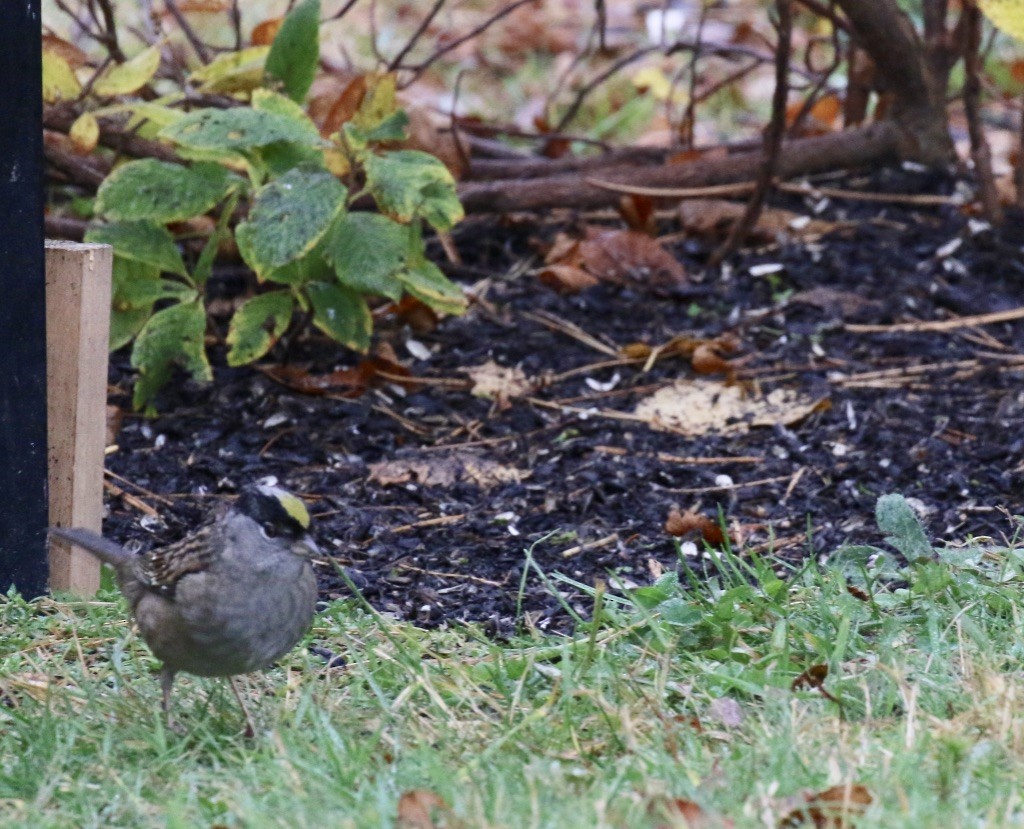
(841, 304)
(834, 808)
(696, 407)
(567, 279)
(681, 813)
(617, 256)
(497, 382)
(418, 808)
(705, 354)
(683, 523)
(630, 256)
(813, 678)
(346, 382)
(714, 218)
(435, 469)
(638, 214)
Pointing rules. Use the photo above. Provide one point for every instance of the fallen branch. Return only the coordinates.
(874, 144)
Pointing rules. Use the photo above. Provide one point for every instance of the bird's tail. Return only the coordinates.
(106, 551)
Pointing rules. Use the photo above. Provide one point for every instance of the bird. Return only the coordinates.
(232, 598)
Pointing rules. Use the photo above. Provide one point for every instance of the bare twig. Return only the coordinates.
(829, 13)
(980, 152)
(235, 16)
(772, 138)
(396, 61)
(1018, 168)
(110, 32)
(589, 87)
(939, 325)
(197, 44)
(422, 67)
(343, 10)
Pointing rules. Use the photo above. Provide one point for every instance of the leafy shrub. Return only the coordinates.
(312, 252)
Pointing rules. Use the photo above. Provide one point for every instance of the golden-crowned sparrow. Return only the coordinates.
(232, 598)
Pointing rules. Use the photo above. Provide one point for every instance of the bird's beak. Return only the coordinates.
(307, 546)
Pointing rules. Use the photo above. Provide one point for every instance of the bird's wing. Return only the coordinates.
(163, 567)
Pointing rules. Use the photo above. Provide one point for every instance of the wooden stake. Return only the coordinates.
(78, 289)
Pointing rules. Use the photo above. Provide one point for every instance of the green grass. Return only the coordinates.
(678, 691)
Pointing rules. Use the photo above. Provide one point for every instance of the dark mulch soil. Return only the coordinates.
(942, 425)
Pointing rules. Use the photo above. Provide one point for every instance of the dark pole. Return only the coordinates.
(23, 503)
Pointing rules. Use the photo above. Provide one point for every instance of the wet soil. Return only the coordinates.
(430, 496)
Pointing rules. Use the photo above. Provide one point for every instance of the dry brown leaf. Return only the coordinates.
(203, 6)
(835, 808)
(629, 256)
(638, 214)
(813, 678)
(838, 303)
(681, 813)
(334, 99)
(345, 382)
(618, 256)
(263, 33)
(697, 407)
(436, 469)
(714, 218)
(499, 382)
(683, 523)
(74, 56)
(567, 279)
(823, 116)
(115, 416)
(418, 808)
(707, 360)
(564, 250)
(857, 593)
(421, 318)
(683, 344)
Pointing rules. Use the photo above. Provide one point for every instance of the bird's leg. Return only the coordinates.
(166, 682)
(250, 726)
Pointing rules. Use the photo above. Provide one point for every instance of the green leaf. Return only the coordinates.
(172, 336)
(296, 50)
(162, 192)
(429, 285)
(145, 242)
(894, 516)
(232, 71)
(127, 77)
(124, 325)
(267, 100)
(341, 313)
(59, 80)
(288, 217)
(409, 184)
(257, 325)
(238, 128)
(204, 266)
(392, 128)
(367, 251)
(311, 267)
(136, 288)
(281, 156)
(129, 309)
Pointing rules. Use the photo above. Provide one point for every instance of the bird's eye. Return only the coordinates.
(269, 530)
